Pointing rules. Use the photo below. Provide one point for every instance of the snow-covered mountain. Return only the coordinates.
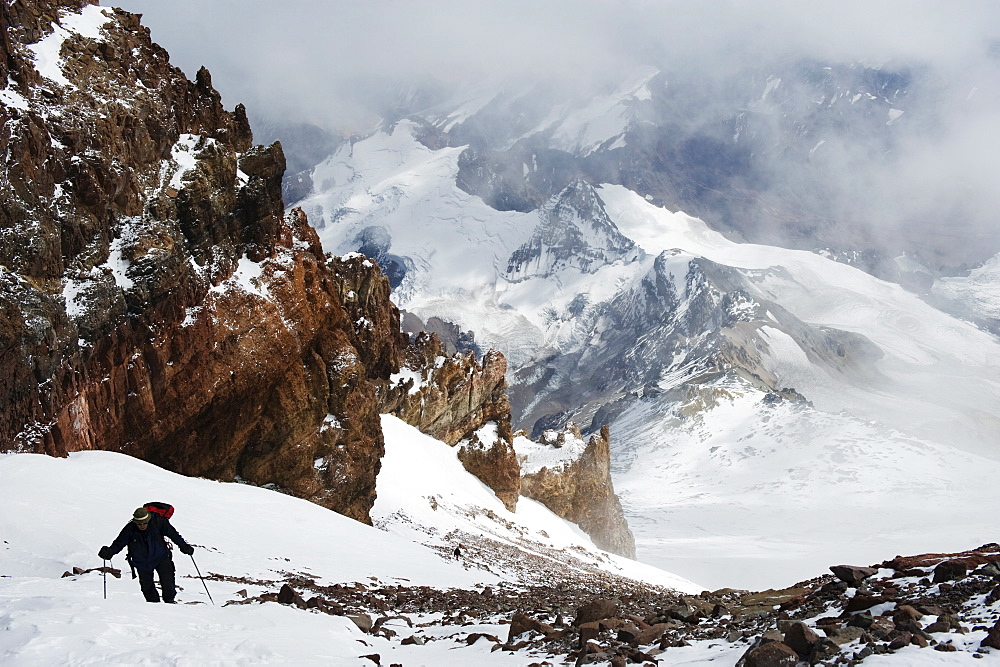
(779, 383)
(799, 153)
(772, 409)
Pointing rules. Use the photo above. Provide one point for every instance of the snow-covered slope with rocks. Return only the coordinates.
(399, 580)
(794, 384)
(56, 513)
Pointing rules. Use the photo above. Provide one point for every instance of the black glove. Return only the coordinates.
(186, 549)
(105, 553)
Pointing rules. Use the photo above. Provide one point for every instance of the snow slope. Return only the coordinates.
(768, 495)
(978, 293)
(56, 513)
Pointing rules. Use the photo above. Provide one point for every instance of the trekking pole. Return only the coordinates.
(104, 569)
(202, 579)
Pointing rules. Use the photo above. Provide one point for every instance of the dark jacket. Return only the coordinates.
(147, 548)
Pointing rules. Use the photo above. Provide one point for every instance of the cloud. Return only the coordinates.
(336, 63)
(335, 59)
(313, 53)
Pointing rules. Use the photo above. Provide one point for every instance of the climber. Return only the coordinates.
(148, 550)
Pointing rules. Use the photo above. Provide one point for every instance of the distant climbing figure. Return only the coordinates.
(145, 536)
(458, 552)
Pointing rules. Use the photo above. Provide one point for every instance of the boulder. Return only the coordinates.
(846, 635)
(801, 638)
(938, 626)
(287, 595)
(635, 637)
(596, 610)
(589, 631)
(950, 570)
(992, 639)
(991, 570)
(906, 612)
(881, 628)
(852, 574)
(823, 650)
(863, 602)
(863, 620)
(651, 634)
(900, 640)
(771, 654)
(363, 621)
(521, 623)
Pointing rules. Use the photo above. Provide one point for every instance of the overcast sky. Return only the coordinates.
(327, 57)
(330, 62)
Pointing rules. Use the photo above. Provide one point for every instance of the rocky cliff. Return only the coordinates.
(154, 298)
(573, 479)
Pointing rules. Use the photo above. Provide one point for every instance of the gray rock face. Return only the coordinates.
(706, 320)
(575, 232)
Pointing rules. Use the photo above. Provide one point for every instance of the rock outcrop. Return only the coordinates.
(463, 402)
(154, 298)
(578, 487)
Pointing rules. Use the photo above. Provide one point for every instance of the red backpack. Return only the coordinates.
(163, 509)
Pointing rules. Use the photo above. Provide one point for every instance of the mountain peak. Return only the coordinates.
(574, 232)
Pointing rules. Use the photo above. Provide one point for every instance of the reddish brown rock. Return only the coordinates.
(496, 465)
(458, 396)
(972, 559)
(862, 602)
(771, 654)
(169, 350)
(521, 623)
(906, 612)
(649, 635)
(801, 638)
(595, 610)
(588, 631)
(582, 492)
